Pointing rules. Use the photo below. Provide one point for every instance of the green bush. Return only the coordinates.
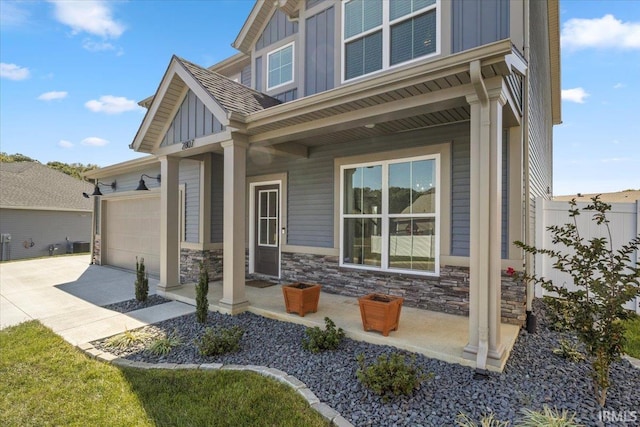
(142, 281)
(463, 420)
(390, 376)
(162, 346)
(202, 289)
(219, 342)
(568, 351)
(127, 339)
(318, 340)
(547, 418)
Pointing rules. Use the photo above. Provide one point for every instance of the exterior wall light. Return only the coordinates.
(96, 189)
(142, 186)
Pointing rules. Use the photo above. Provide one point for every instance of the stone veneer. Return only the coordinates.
(190, 260)
(96, 250)
(448, 293)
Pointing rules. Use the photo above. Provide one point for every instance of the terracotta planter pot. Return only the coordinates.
(301, 298)
(380, 312)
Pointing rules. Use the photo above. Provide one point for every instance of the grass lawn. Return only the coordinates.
(46, 382)
(632, 348)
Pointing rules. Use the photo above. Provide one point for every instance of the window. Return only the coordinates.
(389, 215)
(268, 218)
(280, 67)
(380, 34)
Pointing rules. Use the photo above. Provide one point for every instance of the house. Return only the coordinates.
(306, 155)
(42, 212)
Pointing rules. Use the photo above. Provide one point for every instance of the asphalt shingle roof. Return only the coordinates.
(33, 185)
(232, 96)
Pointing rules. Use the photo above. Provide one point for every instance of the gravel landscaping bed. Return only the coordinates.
(133, 304)
(533, 377)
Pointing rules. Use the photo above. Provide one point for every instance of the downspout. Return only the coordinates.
(529, 260)
(475, 73)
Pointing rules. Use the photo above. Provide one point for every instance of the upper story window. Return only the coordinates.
(378, 34)
(280, 67)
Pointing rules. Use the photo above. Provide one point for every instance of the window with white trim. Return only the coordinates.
(389, 215)
(280, 66)
(379, 34)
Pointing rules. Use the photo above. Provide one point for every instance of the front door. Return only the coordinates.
(267, 226)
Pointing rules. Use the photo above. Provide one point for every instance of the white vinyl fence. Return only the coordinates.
(624, 220)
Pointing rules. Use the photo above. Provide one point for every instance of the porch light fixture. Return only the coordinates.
(142, 186)
(370, 125)
(96, 189)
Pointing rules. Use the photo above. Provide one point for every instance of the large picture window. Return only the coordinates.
(380, 34)
(280, 67)
(389, 215)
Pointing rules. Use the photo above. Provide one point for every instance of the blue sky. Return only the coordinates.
(72, 72)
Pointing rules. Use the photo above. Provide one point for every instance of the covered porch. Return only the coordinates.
(436, 335)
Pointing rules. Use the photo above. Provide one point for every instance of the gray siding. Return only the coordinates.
(277, 29)
(217, 197)
(190, 178)
(475, 23)
(540, 121)
(311, 181)
(192, 120)
(287, 96)
(245, 76)
(460, 197)
(129, 181)
(319, 52)
(43, 228)
(259, 74)
(312, 3)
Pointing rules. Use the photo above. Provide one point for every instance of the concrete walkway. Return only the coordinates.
(65, 293)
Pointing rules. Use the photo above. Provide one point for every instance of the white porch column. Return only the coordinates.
(234, 299)
(485, 229)
(169, 224)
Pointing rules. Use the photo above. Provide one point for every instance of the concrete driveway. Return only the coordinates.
(66, 294)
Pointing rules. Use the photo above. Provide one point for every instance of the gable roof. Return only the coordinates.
(221, 95)
(258, 18)
(31, 185)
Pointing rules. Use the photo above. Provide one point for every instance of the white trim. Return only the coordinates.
(385, 27)
(42, 208)
(385, 216)
(182, 210)
(293, 65)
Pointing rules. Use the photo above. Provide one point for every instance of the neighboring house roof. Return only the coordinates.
(31, 185)
(233, 96)
(628, 196)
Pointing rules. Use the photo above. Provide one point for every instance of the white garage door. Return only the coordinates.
(130, 228)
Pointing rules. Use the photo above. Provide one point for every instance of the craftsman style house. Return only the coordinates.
(367, 145)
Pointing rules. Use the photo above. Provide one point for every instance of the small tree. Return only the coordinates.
(202, 289)
(605, 279)
(142, 281)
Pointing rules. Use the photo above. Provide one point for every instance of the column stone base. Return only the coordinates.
(495, 357)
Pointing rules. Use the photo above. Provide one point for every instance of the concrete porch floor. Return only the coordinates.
(436, 335)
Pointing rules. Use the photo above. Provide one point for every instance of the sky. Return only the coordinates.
(72, 72)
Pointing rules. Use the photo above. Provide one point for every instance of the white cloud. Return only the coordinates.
(606, 32)
(94, 141)
(619, 85)
(13, 71)
(94, 46)
(90, 16)
(615, 160)
(13, 14)
(112, 105)
(65, 144)
(577, 95)
(50, 96)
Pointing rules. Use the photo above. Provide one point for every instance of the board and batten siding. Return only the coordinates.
(310, 181)
(217, 198)
(278, 28)
(43, 228)
(245, 76)
(192, 120)
(540, 120)
(258, 68)
(320, 52)
(476, 23)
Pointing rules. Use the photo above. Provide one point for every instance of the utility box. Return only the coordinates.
(81, 247)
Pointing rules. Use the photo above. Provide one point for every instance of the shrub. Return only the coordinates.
(547, 418)
(162, 346)
(390, 376)
(317, 340)
(463, 420)
(219, 342)
(202, 289)
(127, 339)
(604, 278)
(568, 351)
(142, 281)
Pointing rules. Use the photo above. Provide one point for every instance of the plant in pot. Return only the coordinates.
(380, 312)
(301, 297)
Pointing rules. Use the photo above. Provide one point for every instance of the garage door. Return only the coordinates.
(130, 228)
